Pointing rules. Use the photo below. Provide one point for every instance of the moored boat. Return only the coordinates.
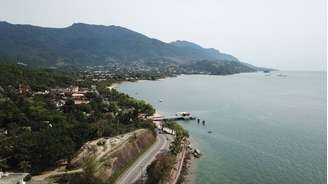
(184, 115)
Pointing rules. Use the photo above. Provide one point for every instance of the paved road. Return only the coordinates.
(139, 166)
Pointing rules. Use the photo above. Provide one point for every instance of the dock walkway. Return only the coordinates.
(170, 118)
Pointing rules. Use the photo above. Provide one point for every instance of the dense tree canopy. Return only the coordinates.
(39, 134)
(159, 170)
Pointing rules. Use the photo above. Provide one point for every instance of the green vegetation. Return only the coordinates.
(159, 170)
(35, 134)
(180, 131)
(214, 67)
(13, 75)
(114, 46)
(180, 135)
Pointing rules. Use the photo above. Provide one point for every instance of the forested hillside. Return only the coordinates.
(39, 128)
(91, 45)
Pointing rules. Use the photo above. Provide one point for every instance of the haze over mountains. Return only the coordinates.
(89, 45)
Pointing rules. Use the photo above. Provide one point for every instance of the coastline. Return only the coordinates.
(114, 85)
(182, 171)
(202, 174)
(186, 160)
(190, 177)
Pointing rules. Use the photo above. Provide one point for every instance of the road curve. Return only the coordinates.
(134, 172)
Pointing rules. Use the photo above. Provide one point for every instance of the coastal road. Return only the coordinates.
(134, 172)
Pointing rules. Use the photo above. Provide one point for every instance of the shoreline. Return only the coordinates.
(201, 174)
(185, 174)
(185, 158)
(114, 85)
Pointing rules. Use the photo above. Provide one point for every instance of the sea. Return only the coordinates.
(266, 128)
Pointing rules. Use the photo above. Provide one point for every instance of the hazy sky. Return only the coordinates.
(283, 34)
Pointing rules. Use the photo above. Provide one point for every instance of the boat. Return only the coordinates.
(196, 153)
(281, 75)
(209, 132)
(160, 100)
(184, 115)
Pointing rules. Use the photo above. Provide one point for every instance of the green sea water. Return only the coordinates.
(266, 129)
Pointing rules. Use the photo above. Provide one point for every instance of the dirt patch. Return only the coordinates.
(129, 152)
(108, 156)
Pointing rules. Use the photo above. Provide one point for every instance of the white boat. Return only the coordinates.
(185, 115)
(196, 153)
(281, 75)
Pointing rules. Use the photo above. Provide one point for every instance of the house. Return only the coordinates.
(79, 98)
(24, 89)
(78, 102)
(168, 131)
(21, 63)
(78, 95)
(74, 89)
(45, 92)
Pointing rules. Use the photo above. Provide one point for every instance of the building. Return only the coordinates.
(74, 89)
(45, 92)
(79, 98)
(24, 89)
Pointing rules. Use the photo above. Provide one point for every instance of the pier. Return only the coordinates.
(178, 116)
(171, 118)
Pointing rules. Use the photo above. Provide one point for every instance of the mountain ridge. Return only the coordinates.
(89, 45)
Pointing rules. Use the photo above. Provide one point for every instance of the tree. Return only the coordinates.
(69, 106)
(180, 134)
(3, 165)
(89, 170)
(158, 171)
(24, 165)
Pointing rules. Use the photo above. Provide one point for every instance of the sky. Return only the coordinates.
(282, 34)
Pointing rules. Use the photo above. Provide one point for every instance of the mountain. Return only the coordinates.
(88, 45)
(198, 51)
